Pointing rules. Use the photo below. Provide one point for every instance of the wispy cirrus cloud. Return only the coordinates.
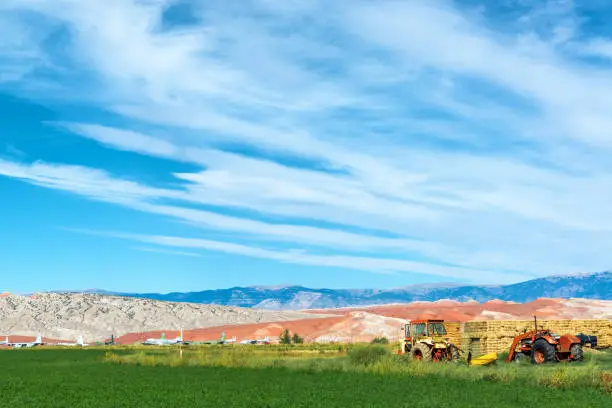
(162, 251)
(474, 140)
(294, 256)
(82, 181)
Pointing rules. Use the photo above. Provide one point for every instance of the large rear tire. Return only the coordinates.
(542, 352)
(577, 352)
(421, 352)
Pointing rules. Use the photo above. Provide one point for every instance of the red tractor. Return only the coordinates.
(542, 346)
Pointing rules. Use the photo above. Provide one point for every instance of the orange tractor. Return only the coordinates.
(542, 346)
(425, 340)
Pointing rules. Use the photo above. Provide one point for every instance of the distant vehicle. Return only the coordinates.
(163, 341)
(111, 341)
(78, 343)
(587, 339)
(37, 342)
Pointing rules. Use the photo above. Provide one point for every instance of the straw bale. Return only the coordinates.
(453, 330)
(497, 335)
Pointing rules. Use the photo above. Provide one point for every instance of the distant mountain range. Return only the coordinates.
(591, 286)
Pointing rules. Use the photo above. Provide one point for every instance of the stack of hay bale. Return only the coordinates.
(453, 330)
(495, 336)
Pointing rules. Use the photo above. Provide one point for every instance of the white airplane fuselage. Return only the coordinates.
(37, 342)
(161, 342)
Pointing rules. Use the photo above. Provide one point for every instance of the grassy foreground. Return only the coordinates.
(594, 372)
(90, 378)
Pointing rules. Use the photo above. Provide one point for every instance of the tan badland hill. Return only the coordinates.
(96, 317)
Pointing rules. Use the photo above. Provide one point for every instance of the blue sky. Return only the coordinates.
(167, 145)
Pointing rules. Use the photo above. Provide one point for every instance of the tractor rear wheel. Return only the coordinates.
(577, 352)
(542, 352)
(421, 352)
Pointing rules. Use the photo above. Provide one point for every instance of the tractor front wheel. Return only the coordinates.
(521, 358)
(421, 352)
(577, 352)
(542, 352)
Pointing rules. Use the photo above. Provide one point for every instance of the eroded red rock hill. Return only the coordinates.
(365, 323)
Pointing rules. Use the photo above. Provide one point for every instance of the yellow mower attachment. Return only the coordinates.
(482, 360)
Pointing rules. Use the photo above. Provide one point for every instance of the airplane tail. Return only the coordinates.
(80, 341)
(38, 339)
(222, 337)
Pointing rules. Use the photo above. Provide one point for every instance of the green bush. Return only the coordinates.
(501, 357)
(368, 355)
(285, 337)
(380, 340)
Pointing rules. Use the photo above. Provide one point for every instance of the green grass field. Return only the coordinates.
(263, 377)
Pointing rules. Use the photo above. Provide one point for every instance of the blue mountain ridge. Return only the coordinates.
(592, 286)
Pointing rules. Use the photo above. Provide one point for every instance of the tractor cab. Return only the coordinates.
(432, 332)
(426, 340)
(424, 328)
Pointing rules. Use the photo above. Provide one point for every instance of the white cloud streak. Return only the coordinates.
(377, 265)
(466, 142)
(167, 252)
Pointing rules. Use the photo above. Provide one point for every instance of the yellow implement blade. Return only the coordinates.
(484, 360)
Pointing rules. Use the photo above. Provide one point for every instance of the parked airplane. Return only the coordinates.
(163, 341)
(79, 343)
(265, 340)
(221, 340)
(37, 342)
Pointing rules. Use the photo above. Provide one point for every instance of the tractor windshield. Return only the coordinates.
(418, 329)
(437, 329)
